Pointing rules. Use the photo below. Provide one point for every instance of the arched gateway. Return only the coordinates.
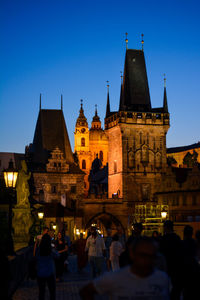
(103, 221)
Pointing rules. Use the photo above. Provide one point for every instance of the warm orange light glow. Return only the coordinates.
(54, 227)
(10, 175)
(40, 215)
(10, 178)
(163, 214)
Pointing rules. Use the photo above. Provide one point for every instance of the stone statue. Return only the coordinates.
(23, 186)
(22, 219)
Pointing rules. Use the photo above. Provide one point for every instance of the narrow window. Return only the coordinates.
(194, 200)
(101, 155)
(73, 189)
(82, 142)
(53, 189)
(184, 200)
(115, 166)
(83, 164)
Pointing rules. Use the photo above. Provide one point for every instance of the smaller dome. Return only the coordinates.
(96, 123)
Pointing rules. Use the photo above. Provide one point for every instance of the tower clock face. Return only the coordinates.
(83, 130)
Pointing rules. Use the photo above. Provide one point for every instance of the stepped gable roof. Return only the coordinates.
(135, 89)
(183, 148)
(51, 132)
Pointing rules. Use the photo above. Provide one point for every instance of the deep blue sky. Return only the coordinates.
(73, 47)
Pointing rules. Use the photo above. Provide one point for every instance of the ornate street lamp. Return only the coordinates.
(10, 177)
(40, 217)
(163, 214)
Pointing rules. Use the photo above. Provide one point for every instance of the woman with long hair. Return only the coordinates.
(46, 267)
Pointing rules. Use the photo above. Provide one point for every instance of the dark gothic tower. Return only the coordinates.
(137, 135)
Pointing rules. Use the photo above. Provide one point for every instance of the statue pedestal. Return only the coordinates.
(21, 223)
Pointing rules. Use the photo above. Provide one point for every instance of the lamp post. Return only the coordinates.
(163, 214)
(10, 177)
(40, 217)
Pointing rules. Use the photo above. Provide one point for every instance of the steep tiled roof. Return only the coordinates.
(50, 132)
(135, 90)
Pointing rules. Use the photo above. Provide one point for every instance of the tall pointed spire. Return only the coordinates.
(81, 120)
(120, 100)
(95, 110)
(61, 102)
(108, 101)
(40, 101)
(165, 105)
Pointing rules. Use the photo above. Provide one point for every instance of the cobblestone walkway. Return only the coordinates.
(68, 289)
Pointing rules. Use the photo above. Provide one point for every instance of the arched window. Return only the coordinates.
(101, 155)
(83, 142)
(83, 164)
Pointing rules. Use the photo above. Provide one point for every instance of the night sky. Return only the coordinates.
(74, 47)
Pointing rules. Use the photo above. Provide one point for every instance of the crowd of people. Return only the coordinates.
(157, 267)
(139, 267)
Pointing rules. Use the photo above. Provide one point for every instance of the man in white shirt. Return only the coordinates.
(96, 251)
(140, 281)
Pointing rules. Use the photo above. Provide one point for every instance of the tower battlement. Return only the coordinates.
(140, 118)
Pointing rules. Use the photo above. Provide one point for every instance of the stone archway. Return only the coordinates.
(103, 221)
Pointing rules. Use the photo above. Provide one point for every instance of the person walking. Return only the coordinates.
(95, 247)
(138, 281)
(115, 251)
(108, 242)
(45, 256)
(172, 248)
(62, 249)
(79, 248)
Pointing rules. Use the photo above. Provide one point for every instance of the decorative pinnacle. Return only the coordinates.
(61, 102)
(121, 77)
(81, 103)
(164, 80)
(142, 41)
(126, 40)
(95, 109)
(107, 85)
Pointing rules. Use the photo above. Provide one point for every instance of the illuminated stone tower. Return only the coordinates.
(89, 143)
(137, 136)
(81, 137)
(98, 140)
